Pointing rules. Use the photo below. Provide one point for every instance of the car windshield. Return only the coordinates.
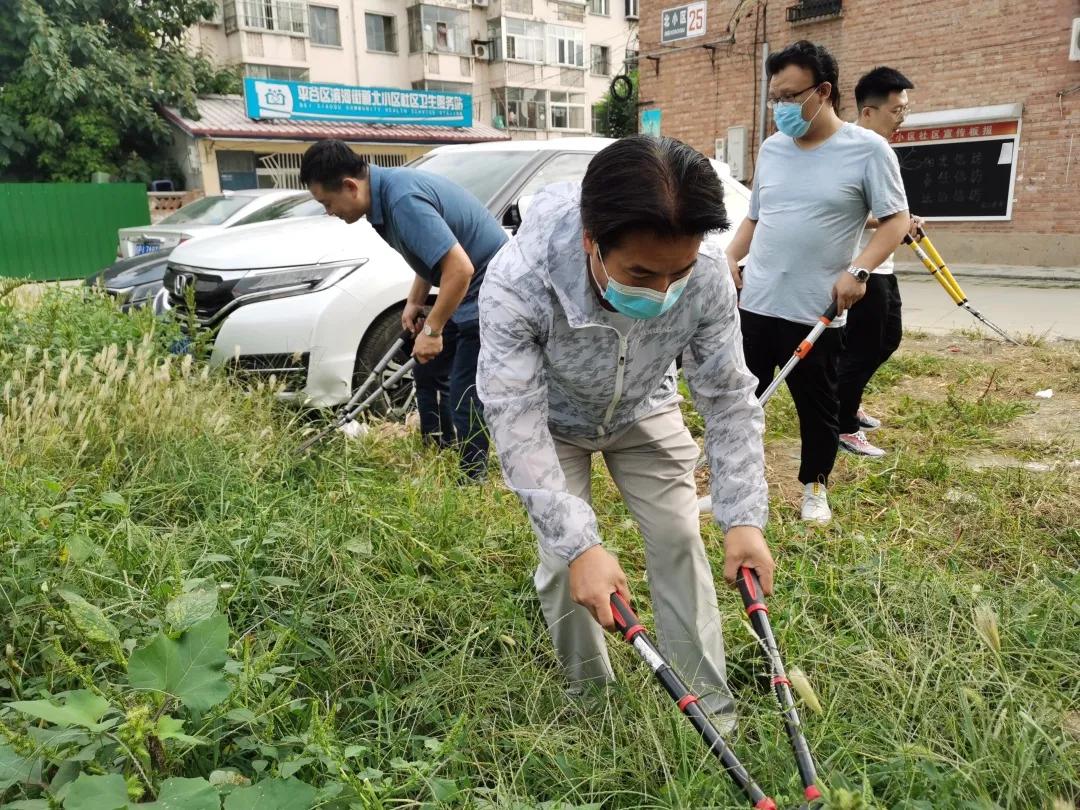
(483, 173)
(207, 211)
(302, 205)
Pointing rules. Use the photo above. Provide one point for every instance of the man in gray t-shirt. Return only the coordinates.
(816, 182)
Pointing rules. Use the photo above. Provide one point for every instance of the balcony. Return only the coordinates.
(274, 16)
(814, 11)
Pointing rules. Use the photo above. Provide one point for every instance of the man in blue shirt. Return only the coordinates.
(447, 237)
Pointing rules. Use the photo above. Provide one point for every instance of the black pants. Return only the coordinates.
(433, 394)
(872, 334)
(461, 347)
(768, 343)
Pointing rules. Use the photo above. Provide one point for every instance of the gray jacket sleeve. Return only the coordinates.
(723, 392)
(511, 384)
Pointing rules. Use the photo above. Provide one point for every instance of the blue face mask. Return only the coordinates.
(789, 120)
(640, 302)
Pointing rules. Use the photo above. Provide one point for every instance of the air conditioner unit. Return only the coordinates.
(481, 50)
(720, 150)
(481, 3)
(1074, 43)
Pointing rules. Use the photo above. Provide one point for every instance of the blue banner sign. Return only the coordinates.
(310, 101)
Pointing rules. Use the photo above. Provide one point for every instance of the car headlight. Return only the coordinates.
(314, 277)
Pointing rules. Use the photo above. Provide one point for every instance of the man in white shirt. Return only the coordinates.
(874, 327)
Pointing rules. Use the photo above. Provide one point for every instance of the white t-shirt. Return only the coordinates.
(886, 267)
(811, 206)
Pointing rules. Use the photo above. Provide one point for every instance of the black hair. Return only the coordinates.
(879, 84)
(329, 162)
(659, 185)
(815, 58)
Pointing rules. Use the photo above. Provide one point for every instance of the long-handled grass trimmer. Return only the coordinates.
(754, 601)
(933, 262)
(630, 627)
(801, 351)
(361, 399)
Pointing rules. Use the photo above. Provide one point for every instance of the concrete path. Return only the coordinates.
(1050, 310)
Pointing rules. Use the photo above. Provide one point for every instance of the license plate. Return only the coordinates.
(180, 346)
(146, 247)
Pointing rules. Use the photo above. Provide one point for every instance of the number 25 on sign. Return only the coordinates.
(695, 19)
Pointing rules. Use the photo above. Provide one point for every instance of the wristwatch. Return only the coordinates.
(860, 273)
(431, 332)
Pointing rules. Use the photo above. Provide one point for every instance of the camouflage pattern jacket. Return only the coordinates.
(553, 361)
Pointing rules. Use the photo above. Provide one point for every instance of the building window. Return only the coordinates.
(520, 108)
(278, 72)
(631, 58)
(566, 46)
(438, 29)
(569, 12)
(325, 27)
(284, 16)
(381, 33)
(567, 110)
(631, 8)
(524, 40)
(599, 119)
(601, 60)
(519, 6)
(601, 7)
(813, 10)
(443, 87)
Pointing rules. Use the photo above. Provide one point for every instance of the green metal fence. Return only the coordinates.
(54, 231)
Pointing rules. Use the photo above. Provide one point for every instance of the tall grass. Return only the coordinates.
(385, 631)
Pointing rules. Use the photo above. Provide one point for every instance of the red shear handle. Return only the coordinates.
(750, 588)
(626, 621)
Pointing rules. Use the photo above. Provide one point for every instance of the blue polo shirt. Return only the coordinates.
(423, 215)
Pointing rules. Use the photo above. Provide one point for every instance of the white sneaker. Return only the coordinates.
(704, 504)
(858, 443)
(866, 421)
(815, 504)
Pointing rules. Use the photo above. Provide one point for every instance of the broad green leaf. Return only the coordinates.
(172, 728)
(89, 620)
(185, 794)
(190, 668)
(80, 708)
(192, 607)
(443, 790)
(13, 768)
(272, 794)
(97, 793)
(27, 804)
(291, 767)
(81, 548)
(114, 500)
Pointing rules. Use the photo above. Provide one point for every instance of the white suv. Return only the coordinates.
(317, 302)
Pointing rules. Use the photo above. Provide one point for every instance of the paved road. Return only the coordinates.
(1049, 310)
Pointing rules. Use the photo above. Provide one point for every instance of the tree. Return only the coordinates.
(81, 80)
(619, 116)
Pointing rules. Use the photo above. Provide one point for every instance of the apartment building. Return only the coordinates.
(534, 68)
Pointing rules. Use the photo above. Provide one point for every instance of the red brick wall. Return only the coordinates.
(958, 54)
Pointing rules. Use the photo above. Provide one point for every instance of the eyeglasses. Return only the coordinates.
(898, 112)
(789, 98)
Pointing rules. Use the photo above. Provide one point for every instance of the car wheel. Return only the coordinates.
(377, 341)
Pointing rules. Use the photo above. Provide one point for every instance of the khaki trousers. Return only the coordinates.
(652, 463)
